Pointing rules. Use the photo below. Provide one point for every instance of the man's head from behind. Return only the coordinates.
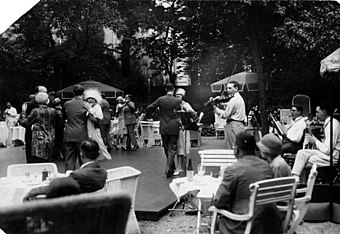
(169, 88)
(78, 90)
(270, 147)
(89, 150)
(244, 145)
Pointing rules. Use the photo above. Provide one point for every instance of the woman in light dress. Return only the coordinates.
(122, 131)
(94, 113)
(183, 142)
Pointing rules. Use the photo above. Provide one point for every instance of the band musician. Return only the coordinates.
(234, 114)
(321, 155)
(292, 139)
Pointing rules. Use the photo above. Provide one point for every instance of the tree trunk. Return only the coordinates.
(254, 28)
(126, 44)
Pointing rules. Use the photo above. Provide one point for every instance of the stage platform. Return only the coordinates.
(154, 196)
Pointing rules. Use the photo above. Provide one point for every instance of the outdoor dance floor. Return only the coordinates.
(154, 196)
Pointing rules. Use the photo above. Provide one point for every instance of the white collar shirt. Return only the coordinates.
(235, 109)
(296, 130)
(324, 145)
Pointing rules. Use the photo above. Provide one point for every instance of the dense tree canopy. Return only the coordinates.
(60, 42)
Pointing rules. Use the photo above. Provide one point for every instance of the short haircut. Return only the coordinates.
(169, 87)
(298, 108)
(325, 107)
(236, 84)
(78, 90)
(89, 149)
(246, 142)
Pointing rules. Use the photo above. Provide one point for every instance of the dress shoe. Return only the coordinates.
(178, 172)
(136, 147)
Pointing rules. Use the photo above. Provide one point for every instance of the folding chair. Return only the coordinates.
(263, 192)
(301, 203)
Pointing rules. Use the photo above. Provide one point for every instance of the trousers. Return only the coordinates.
(312, 156)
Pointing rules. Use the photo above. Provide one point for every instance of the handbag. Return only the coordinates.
(43, 136)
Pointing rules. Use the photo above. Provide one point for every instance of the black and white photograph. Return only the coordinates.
(169, 116)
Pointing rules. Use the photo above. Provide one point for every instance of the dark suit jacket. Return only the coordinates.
(169, 122)
(30, 105)
(106, 112)
(129, 113)
(233, 195)
(90, 177)
(75, 127)
(87, 179)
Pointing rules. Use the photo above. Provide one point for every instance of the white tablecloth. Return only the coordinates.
(14, 189)
(14, 133)
(17, 133)
(4, 133)
(206, 184)
(150, 133)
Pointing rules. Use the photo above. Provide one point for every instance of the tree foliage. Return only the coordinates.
(60, 42)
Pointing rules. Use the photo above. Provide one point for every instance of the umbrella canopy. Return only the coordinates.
(245, 79)
(331, 63)
(110, 92)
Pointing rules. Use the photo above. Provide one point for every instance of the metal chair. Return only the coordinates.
(124, 179)
(301, 203)
(221, 158)
(82, 214)
(263, 192)
(217, 157)
(31, 169)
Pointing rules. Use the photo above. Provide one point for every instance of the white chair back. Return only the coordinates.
(125, 179)
(217, 157)
(32, 169)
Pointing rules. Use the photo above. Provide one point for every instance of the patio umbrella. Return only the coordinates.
(247, 80)
(331, 63)
(110, 92)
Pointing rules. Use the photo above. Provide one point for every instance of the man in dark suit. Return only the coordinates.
(233, 193)
(130, 123)
(27, 108)
(89, 178)
(169, 125)
(75, 128)
(105, 123)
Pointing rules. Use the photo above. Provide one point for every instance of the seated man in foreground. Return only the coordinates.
(233, 193)
(89, 177)
(292, 139)
(270, 147)
(321, 155)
